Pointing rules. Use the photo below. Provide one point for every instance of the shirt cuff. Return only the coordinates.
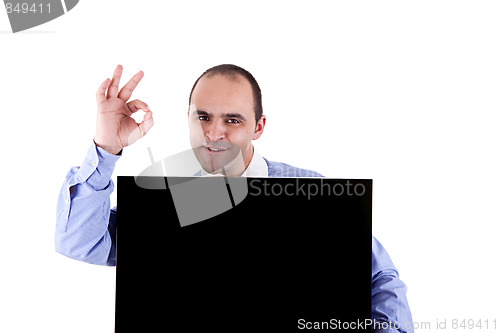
(97, 168)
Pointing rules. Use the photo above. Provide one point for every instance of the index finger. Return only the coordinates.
(128, 89)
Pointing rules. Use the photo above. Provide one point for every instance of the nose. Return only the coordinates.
(215, 131)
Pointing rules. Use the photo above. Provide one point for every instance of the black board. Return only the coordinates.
(288, 254)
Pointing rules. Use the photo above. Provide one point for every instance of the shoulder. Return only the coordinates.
(278, 169)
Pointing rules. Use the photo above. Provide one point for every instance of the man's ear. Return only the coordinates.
(259, 127)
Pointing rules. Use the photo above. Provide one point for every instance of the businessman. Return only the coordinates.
(225, 115)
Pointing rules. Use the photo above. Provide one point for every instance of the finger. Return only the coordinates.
(101, 92)
(141, 128)
(137, 105)
(113, 87)
(147, 123)
(128, 89)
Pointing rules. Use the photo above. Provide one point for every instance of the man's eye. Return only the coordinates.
(202, 118)
(233, 121)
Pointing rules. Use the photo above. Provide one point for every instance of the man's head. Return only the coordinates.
(225, 115)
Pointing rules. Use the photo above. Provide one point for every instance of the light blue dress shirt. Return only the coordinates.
(86, 226)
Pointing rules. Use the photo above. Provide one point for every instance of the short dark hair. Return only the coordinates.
(232, 71)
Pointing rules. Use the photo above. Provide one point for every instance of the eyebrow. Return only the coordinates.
(226, 115)
(200, 113)
(235, 115)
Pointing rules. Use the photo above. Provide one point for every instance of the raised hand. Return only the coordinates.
(115, 128)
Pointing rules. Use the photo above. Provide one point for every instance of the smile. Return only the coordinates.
(215, 150)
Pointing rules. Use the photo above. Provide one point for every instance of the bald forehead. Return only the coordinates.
(224, 83)
(230, 76)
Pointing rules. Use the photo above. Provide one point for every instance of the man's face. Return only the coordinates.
(222, 124)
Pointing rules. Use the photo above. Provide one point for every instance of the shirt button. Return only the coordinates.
(93, 163)
(67, 201)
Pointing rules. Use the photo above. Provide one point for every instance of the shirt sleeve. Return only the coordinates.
(390, 310)
(83, 228)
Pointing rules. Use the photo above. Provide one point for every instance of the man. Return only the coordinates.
(225, 116)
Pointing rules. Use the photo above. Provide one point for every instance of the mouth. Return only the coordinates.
(215, 150)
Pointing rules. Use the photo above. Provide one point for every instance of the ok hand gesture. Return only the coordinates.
(115, 128)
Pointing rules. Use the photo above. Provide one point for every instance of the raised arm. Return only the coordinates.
(85, 227)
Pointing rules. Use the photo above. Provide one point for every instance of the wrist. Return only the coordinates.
(110, 149)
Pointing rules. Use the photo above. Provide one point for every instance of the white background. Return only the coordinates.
(405, 93)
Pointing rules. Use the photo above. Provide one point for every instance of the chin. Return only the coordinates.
(215, 162)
